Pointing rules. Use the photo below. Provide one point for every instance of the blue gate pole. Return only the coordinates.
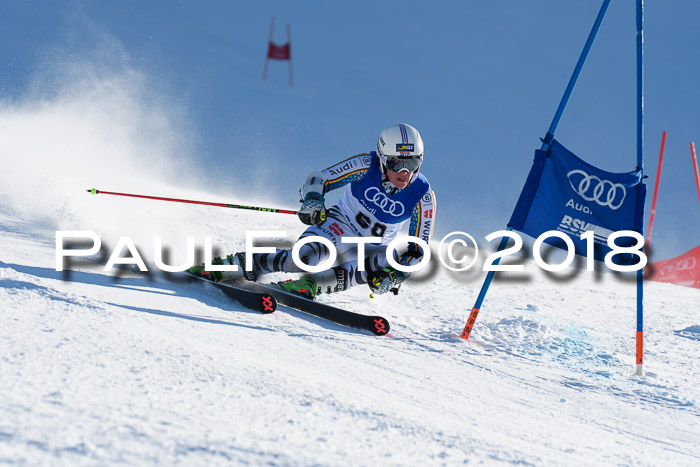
(545, 145)
(640, 166)
(574, 77)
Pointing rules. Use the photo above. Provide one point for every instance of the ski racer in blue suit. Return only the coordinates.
(382, 191)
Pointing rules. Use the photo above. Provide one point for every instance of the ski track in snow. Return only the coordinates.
(135, 369)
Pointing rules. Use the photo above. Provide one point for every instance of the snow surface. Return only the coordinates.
(134, 369)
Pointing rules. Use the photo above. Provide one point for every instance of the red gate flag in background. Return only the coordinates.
(682, 270)
(279, 52)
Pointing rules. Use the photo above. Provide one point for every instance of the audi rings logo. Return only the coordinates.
(592, 188)
(387, 205)
(682, 265)
(685, 264)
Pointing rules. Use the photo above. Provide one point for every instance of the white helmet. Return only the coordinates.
(400, 147)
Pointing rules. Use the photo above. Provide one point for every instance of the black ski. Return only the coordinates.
(262, 301)
(265, 298)
(374, 324)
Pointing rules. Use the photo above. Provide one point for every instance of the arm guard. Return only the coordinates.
(315, 183)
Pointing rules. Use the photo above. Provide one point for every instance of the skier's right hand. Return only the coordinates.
(385, 280)
(312, 211)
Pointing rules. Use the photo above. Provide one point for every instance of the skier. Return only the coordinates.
(383, 190)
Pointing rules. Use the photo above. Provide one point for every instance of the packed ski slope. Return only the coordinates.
(101, 370)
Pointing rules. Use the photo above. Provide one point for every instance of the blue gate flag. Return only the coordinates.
(563, 192)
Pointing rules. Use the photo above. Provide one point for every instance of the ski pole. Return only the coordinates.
(95, 191)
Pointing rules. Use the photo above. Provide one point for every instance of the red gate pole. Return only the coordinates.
(695, 166)
(656, 191)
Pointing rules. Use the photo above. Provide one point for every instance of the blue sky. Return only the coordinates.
(480, 80)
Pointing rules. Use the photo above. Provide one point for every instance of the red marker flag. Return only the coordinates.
(279, 52)
(682, 270)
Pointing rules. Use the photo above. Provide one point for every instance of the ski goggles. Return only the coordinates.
(399, 163)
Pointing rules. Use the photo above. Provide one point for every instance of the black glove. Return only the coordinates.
(385, 280)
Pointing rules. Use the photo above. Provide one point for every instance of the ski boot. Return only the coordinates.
(237, 259)
(310, 286)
